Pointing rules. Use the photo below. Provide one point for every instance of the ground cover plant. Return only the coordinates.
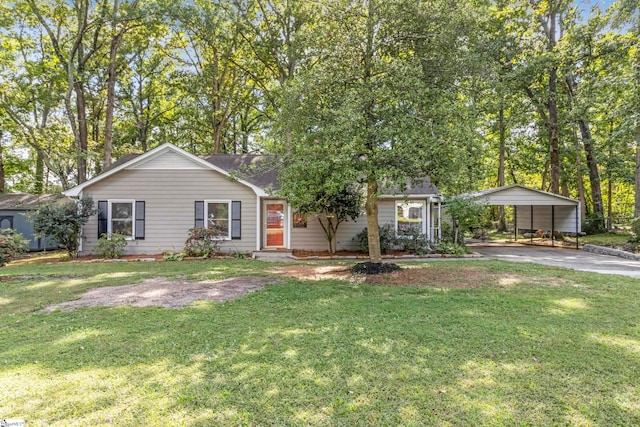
(440, 343)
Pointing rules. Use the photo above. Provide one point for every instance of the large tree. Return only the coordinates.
(381, 101)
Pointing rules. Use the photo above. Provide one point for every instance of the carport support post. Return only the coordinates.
(553, 225)
(577, 228)
(515, 223)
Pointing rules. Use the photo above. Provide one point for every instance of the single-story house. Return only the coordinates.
(156, 197)
(14, 214)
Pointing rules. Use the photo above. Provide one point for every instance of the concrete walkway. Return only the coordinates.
(568, 258)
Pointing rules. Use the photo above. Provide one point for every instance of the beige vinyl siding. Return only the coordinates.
(523, 196)
(170, 197)
(313, 237)
(564, 218)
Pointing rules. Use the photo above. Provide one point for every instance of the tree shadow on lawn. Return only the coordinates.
(332, 353)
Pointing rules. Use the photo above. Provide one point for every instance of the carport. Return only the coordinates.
(534, 209)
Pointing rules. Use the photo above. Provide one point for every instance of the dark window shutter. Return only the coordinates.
(235, 220)
(199, 214)
(140, 217)
(103, 218)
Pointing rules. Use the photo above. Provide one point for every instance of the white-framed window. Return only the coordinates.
(410, 215)
(218, 216)
(121, 218)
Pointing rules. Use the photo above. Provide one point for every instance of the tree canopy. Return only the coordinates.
(474, 94)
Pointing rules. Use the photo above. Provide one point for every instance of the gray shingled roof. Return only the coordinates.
(27, 202)
(414, 187)
(261, 171)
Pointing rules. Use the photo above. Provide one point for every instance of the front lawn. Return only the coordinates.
(520, 345)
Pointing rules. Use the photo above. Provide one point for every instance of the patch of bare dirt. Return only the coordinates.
(163, 292)
(458, 278)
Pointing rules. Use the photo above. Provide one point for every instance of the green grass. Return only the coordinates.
(534, 346)
(606, 239)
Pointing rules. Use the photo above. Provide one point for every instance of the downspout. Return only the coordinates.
(429, 222)
(81, 236)
(288, 227)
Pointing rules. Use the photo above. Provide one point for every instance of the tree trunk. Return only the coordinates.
(502, 224)
(83, 136)
(38, 187)
(371, 206)
(2, 179)
(554, 142)
(592, 165)
(637, 175)
(111, 95)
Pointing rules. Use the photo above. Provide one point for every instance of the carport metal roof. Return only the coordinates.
(520, 196)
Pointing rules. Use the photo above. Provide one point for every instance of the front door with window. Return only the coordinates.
(275, 224)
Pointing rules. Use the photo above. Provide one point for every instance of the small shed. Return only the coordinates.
(534, 209)
(14, 213)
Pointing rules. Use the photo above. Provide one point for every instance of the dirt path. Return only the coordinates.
(163, 292)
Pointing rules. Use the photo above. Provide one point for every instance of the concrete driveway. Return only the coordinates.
(568, 258)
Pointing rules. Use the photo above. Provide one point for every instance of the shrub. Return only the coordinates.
(387, 238)
(594, 225)
(11, 244)
(172, 256)
(414, 242)
(111, 246)
(450, 248)
(63, 222)
(202, 242)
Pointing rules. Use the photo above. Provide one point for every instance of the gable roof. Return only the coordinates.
(518, 195)
(131, 160)
(416, 187)
(259, 172)
(27, 202)
(254, 168)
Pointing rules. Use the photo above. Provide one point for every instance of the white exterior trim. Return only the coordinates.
(425, 227)
(132, 202)
(77, 190)
(206, 215)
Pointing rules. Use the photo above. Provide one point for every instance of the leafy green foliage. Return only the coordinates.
(331, 208)
(450, 248)
(172, 256)
(111, 245)
(387, 238)
(63, 221)
(11, 245)
(414, 241)
(203, 242)
(466, 214)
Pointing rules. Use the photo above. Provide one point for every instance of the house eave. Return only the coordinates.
(77, 190)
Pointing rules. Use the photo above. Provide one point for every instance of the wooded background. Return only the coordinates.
(476, 93)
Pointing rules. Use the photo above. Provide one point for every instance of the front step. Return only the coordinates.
(273, 255)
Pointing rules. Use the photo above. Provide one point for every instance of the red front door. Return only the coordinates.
(274, 214)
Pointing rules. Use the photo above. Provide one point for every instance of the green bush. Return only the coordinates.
(202, 242)
(172, 256)
(111, 246)
(11, 244)
(387, 239)
(414, 241)
(63, 222)
(594, 225)
(448, 248)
